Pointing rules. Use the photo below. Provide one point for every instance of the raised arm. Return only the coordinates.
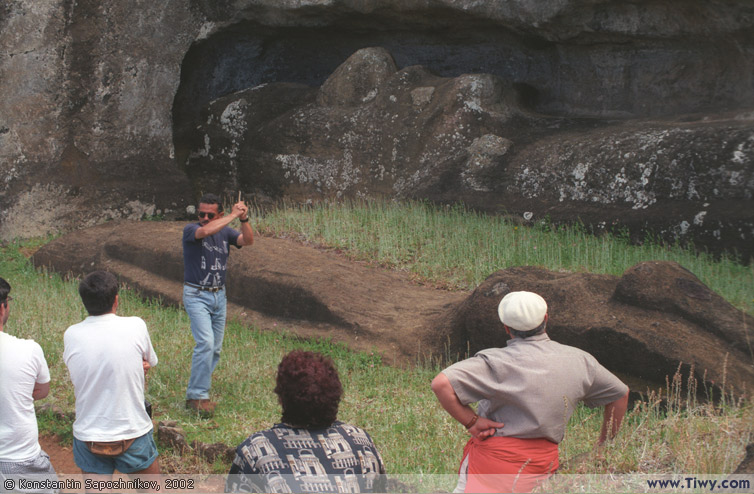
(218, 223)
(614, 413)
(247, 233)
(478, 427)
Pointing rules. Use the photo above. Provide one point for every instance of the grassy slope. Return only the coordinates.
(395, 405)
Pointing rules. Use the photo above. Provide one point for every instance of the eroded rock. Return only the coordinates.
(643, 325)
(170, 433)
(101, 102)
(374, 131)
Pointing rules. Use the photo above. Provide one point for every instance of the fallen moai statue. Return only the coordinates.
(644, 325)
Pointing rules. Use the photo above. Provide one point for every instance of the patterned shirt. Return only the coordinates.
(533, 385)
(206, 259)
(339, 458)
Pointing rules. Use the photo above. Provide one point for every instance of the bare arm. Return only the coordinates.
(247, 233)
(216, 225)
(482, 428)
(614, 413)
(41, 390)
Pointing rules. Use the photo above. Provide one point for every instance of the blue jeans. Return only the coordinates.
(207, 313)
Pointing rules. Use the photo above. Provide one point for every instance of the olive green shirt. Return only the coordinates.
(533, 385)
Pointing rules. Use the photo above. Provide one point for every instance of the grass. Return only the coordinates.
(449, 247)
(457, 248)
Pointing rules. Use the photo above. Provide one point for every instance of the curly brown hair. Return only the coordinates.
(309, 389)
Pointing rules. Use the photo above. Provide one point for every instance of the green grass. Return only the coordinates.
(458, 248)
(450, 247)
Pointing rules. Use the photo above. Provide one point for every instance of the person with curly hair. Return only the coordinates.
(310, 450)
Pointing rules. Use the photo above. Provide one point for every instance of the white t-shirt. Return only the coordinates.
(22, 365)
(104, 355)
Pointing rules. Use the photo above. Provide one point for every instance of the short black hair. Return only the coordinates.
(98, 290)
(4, 291)
(210, 198)
(525, 334)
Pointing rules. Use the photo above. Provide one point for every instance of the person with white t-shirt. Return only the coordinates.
(24, 378)
(107, 358)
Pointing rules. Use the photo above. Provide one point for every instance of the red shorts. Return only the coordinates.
(508, 464)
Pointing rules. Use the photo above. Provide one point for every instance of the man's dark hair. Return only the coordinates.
(4, 291)
(210, 198)
(98, 290)
(525, 334)
(309, 389)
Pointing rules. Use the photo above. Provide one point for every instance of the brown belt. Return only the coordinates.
(112, 448)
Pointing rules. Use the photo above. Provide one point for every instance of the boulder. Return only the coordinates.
(746, 467)
(668, 287)
(643, 330)
(173, 435)
(214, 451)
(359, 79)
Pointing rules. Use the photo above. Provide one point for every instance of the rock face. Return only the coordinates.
(747, 464)
(85, 132)
(642, 325)
(633, 115)
(372, 130)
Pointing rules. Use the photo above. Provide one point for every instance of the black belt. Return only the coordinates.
(204, 288)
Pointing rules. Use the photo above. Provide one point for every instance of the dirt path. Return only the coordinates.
(61, 456)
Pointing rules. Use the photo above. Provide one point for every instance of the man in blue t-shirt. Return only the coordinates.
(206, 246)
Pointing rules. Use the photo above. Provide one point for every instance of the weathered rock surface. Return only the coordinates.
(378, 131)
(100, 103)
(85, 106)
(642, 326)
(747, 464)
(173, 435)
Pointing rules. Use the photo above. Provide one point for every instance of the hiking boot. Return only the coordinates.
(204, 406)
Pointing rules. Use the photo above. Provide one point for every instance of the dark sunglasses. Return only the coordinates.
(208, 215)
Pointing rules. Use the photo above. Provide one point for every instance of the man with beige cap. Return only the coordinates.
(526, 392)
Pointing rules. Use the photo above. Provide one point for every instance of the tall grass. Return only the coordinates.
(458, 248)
(448, 246)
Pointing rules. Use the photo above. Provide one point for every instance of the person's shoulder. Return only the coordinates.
(489, 353)
(188, 231)
(73, 328)
(258, 434)
(349, 428)
(132, 321)
(567, 348)
(572, 351)
(18, 344)
(17, 340)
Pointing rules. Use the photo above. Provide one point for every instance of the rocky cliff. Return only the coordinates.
(637, 115)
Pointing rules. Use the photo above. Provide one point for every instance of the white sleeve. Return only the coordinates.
(43, 372)
(148, 350)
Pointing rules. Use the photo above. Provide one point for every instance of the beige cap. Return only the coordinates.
(522, 311)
